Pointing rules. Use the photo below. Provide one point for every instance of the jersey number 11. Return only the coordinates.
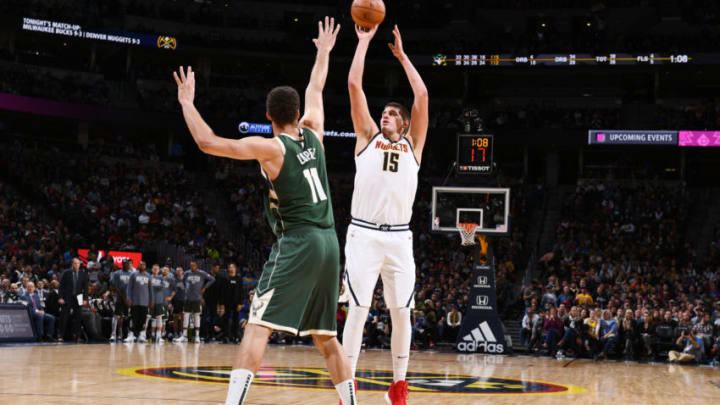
(316, 188)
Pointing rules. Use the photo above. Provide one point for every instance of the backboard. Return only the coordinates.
(489, 207)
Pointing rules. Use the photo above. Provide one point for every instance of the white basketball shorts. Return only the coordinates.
(370, 253)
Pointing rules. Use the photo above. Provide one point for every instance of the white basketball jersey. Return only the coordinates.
(386, 181)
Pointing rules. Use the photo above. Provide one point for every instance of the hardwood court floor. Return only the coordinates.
(174, 374)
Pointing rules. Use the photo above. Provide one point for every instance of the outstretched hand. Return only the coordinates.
(397, 48)
(365, 33)
(186, 85)
(327, 34)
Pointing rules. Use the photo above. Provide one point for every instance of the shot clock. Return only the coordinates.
(474, 154)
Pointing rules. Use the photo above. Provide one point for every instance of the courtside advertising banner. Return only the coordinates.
(118, 256)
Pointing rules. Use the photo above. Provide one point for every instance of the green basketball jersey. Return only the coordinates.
(300, 195)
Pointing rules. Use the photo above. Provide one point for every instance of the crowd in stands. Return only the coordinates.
(32, 81)
(704, 114)
(715, 247)
(621, 282)
(120, 203)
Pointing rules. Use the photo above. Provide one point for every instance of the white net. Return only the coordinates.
(467, 233)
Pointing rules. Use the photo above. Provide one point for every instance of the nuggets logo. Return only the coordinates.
(313, 378)
(165, 42)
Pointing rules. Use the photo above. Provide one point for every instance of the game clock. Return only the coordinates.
(474, 154)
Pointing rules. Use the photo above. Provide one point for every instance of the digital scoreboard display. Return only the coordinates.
(474, 154)
(569, 59)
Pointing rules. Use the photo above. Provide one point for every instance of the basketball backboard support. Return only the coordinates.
(487, 206)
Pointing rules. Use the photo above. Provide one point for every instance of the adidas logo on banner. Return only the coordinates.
(479, 338)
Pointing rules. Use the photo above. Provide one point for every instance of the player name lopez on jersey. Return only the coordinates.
(400, 147)
(306, 155)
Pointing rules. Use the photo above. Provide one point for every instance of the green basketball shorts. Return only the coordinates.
(298, 289)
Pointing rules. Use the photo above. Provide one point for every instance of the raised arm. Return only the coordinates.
(314, 116)
(363, 124)
(253, 147)
(419, 116)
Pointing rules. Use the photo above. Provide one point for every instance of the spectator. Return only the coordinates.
(583, 298)
(628, 335)
(454, 321)
(527, 327)
(52, 306)
(553, 331)
(38, 314)
(646, 329)
(571, 340)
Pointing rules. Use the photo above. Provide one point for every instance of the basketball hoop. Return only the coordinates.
(467, 233)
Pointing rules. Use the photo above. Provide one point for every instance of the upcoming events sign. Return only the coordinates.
(625, 137)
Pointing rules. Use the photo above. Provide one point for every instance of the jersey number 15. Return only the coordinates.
(390, 162)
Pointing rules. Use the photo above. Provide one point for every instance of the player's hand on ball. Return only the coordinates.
(186, 85)
(327, 34)
(397, 48)
(365, 33)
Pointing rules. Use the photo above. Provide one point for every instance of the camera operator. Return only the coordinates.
(691, 345)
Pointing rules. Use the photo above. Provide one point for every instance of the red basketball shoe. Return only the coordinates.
(397, 394)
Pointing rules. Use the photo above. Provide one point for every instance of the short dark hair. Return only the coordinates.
(404, 113)
(283, 104)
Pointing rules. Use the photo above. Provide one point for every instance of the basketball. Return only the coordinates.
(368, 13)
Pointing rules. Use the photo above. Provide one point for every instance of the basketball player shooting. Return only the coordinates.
(379, 240)
(297, 291)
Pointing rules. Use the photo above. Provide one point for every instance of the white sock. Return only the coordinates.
(346, 390)
(240, 380)
(186, 322)
(400, 341)
(353, 334)
(147, 319)
(114, 325)
(197, 325)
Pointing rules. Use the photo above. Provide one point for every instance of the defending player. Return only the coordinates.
(379, 240)
(297, 292)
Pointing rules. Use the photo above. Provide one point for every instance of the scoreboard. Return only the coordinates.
(474, 154)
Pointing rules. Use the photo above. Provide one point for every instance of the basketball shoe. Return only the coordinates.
(397, 394)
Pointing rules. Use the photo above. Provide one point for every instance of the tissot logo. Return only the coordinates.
(482, 300)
